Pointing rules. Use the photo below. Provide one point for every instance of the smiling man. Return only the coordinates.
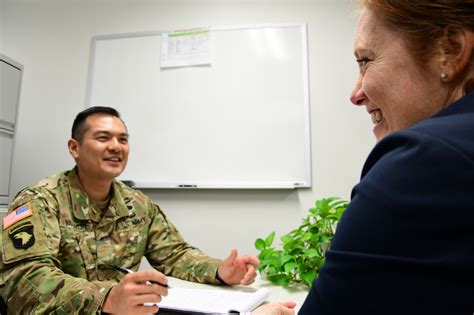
(62, 236)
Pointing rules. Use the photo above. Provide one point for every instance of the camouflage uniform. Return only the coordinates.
(55, 261)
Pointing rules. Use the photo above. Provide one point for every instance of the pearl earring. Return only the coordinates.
(443, 75)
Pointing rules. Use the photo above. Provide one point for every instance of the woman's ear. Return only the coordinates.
(456, 53)
(73, 147)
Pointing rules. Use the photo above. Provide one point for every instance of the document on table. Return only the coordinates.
(212, 301)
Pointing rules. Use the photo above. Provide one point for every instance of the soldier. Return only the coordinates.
(62, 235)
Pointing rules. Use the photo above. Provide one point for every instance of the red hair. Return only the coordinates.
(424, 23)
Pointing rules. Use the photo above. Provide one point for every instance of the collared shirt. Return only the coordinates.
(56, 259)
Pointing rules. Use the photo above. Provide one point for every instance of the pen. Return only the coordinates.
(125, 270)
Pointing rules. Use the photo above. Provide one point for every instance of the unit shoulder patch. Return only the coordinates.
(22, 236)
(20, 213)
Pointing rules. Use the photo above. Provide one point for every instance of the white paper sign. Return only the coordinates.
(186, 48)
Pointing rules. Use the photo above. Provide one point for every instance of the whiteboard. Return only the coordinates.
(240, 122)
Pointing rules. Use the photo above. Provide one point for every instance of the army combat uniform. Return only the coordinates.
(57, 246)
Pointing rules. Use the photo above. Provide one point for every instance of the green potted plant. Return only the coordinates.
(303, 249)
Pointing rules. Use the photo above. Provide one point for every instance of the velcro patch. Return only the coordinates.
(22, 236)
(16, 215)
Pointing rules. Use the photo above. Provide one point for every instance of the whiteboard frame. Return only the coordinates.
(306, 183)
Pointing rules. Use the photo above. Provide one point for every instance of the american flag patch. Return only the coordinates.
(18, 214)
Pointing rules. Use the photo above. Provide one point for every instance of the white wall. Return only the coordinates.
(52, 41)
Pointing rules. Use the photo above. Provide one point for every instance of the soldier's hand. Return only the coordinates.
(281, 308)
(133, 291)
(238, 269)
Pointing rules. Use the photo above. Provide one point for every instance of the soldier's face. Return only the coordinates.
(103, 151)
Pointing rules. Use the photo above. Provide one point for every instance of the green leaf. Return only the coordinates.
(269, 239)
(280, 279)
(275, 262)
(296, 251)
(266, 253)
(325, 238)
(285, 258)
(331, 200)
(290, 266)
(260, 244)
(336, 202)
(314, 230)
(286, 238)
(308, 277)
(289, 246)
(271, 271)
(310, 253)
(263, 264)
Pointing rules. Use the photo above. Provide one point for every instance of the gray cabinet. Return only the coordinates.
(10, 83)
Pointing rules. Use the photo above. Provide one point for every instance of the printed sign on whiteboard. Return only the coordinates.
(186, 48)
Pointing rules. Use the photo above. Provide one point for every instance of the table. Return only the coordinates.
(295, 293)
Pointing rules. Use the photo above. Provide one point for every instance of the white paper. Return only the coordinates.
(212, 301)
(186, 48)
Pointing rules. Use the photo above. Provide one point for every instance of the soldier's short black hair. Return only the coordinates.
(79, 126)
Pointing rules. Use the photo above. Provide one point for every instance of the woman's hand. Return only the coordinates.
(280, 308)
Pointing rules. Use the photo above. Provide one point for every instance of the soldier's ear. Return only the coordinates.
(73, 147)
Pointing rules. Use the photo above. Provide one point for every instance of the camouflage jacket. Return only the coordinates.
(56, 248)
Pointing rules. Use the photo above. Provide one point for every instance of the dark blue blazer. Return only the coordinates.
(406, 243)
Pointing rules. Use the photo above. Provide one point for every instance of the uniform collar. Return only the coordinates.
(81, 207)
